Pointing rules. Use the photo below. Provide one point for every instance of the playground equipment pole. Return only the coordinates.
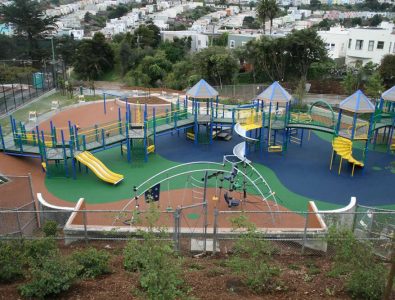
(120, 120)
(44, 153)
(127, 137)
(64, 154)
(196, 125)
(145, 134)
(154, 126)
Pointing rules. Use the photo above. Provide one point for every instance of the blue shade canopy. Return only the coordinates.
(275, 93)
(202, 90)
(357, 103)
(389, 95)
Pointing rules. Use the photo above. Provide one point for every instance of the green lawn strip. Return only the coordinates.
(42, 106)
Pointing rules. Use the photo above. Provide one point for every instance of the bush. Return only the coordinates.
(251, 258)
(50, 277)
(11, 261)
(50, 228)
(367, 284)
(364, 275)
(159, 268)
(36, 250)
(93, 262)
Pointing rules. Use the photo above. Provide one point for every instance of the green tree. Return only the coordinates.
(269, 56)
(65, 47)
(93, 57)
(179, 78)
(222, 40)
(315, 4)
(117, 12)
(177, 49)
(305, 47)
(376, 20)
(350, 82)
(374, 85)
(272, 12)
(262, 9)
(146, 36)
(216, 64)
(30, 20)
(387, 69)
(155, 68)
(125, 53)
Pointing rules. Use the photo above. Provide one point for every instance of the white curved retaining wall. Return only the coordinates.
(342, 217)
(48, 211)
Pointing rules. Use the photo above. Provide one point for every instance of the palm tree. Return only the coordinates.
(262, 12)
(272, 12)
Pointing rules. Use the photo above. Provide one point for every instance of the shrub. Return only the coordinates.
(251, 258)
(36, 250)
(11, 261)
(159, 268)
(93, 262)
(364, 275)
(50, 277)
(367, 284)
(50, 228)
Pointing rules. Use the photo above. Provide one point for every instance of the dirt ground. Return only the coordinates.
(302, 277)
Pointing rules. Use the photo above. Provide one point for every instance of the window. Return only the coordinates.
(380, 45)
(371, 46)
(359, 45)
(332, 47)
(243, 43)
(349, 43)
(389, 48)
(232, 44)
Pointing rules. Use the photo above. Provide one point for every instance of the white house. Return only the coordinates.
(335, 41)
(199, 41)
(370, 44)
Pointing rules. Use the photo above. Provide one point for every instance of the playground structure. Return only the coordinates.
(268, 124)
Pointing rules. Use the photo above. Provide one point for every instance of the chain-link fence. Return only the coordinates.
(22, 90)
(195, 228)
(18, 215)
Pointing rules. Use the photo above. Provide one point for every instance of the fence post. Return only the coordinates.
(19, 222)
(305, 232)
(391, 274)
(85, 230)
(34, 200)
(176, 236)
(215, 231)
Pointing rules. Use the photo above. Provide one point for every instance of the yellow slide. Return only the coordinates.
(98, 168)
(392, 147)
(343, 148)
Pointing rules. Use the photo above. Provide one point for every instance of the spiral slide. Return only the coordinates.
(97, 167)
(343, 148)
(240, 149)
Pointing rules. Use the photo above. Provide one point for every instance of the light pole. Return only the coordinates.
(53, 64)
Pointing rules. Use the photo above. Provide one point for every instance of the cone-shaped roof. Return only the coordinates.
(389, 95)
(275, 93)
(202, 90)
(357, 103)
